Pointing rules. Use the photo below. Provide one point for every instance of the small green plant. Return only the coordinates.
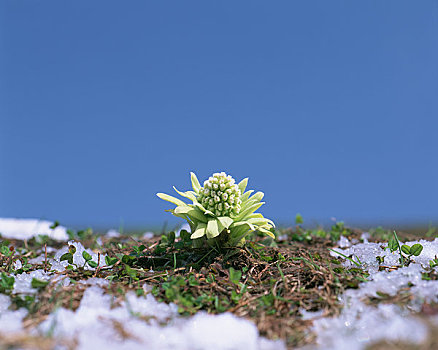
(6, 283)
(39, 283)
(221, 211)
(434, 262)
(404, 250)
(358, 263)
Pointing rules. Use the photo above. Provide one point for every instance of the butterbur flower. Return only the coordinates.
(221, 207)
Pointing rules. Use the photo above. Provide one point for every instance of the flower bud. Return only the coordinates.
(220, 195)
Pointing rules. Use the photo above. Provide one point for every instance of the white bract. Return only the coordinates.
(221, 207)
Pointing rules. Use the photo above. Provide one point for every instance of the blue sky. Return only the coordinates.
(329, 107)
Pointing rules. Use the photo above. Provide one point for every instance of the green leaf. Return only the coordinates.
(195, 214)
(5, 251)
(189, 194)
(200, 231)
(392, 244)
(255, 215)
(110, 261)
(6, 282)
(171, 237)
(185, 236)
(249, 210)
(37, 283)
(200, 206)
(242, 185)
(261, 221)
(258, 196)
(225, 221)
(252, 201)
(86, 256)
(406, 249)
(127, 259)
(237, 233)
(92, 263)
(170, 199)
(416, 249)
(246, 195)
(298, 219)
(195, 183)
(240, 223)
(182, 209)
(267, 232)
(54, 225)
(68, 257)
(212, 229)
(235, 275)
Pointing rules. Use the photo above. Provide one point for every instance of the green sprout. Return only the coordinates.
(405, 260)
(221, 211)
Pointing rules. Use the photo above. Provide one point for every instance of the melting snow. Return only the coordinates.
(23, 281)
(136, 324)
(360, 325)
(28, 228)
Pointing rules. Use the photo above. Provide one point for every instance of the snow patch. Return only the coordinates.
(360, 325)
(27, 228)
(138, 324)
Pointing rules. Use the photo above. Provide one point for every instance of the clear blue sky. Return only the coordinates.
(329, 107)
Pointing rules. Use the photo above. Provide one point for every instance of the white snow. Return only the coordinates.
(148, 235)
(184, 226)
(28, 228)
(112, 233)
(23, 281)
(137, 324)
(10, 321)
(5, 301)
(360, 325)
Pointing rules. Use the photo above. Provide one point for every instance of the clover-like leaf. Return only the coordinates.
(392, 245)
(235, 275)
(110, 261)
(416, 249)
(67, 257)
(406, 249)
(92, 263)
(86, 255)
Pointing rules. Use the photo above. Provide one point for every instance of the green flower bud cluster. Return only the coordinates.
(220, 195)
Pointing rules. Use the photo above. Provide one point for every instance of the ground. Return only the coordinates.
(282, 286)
